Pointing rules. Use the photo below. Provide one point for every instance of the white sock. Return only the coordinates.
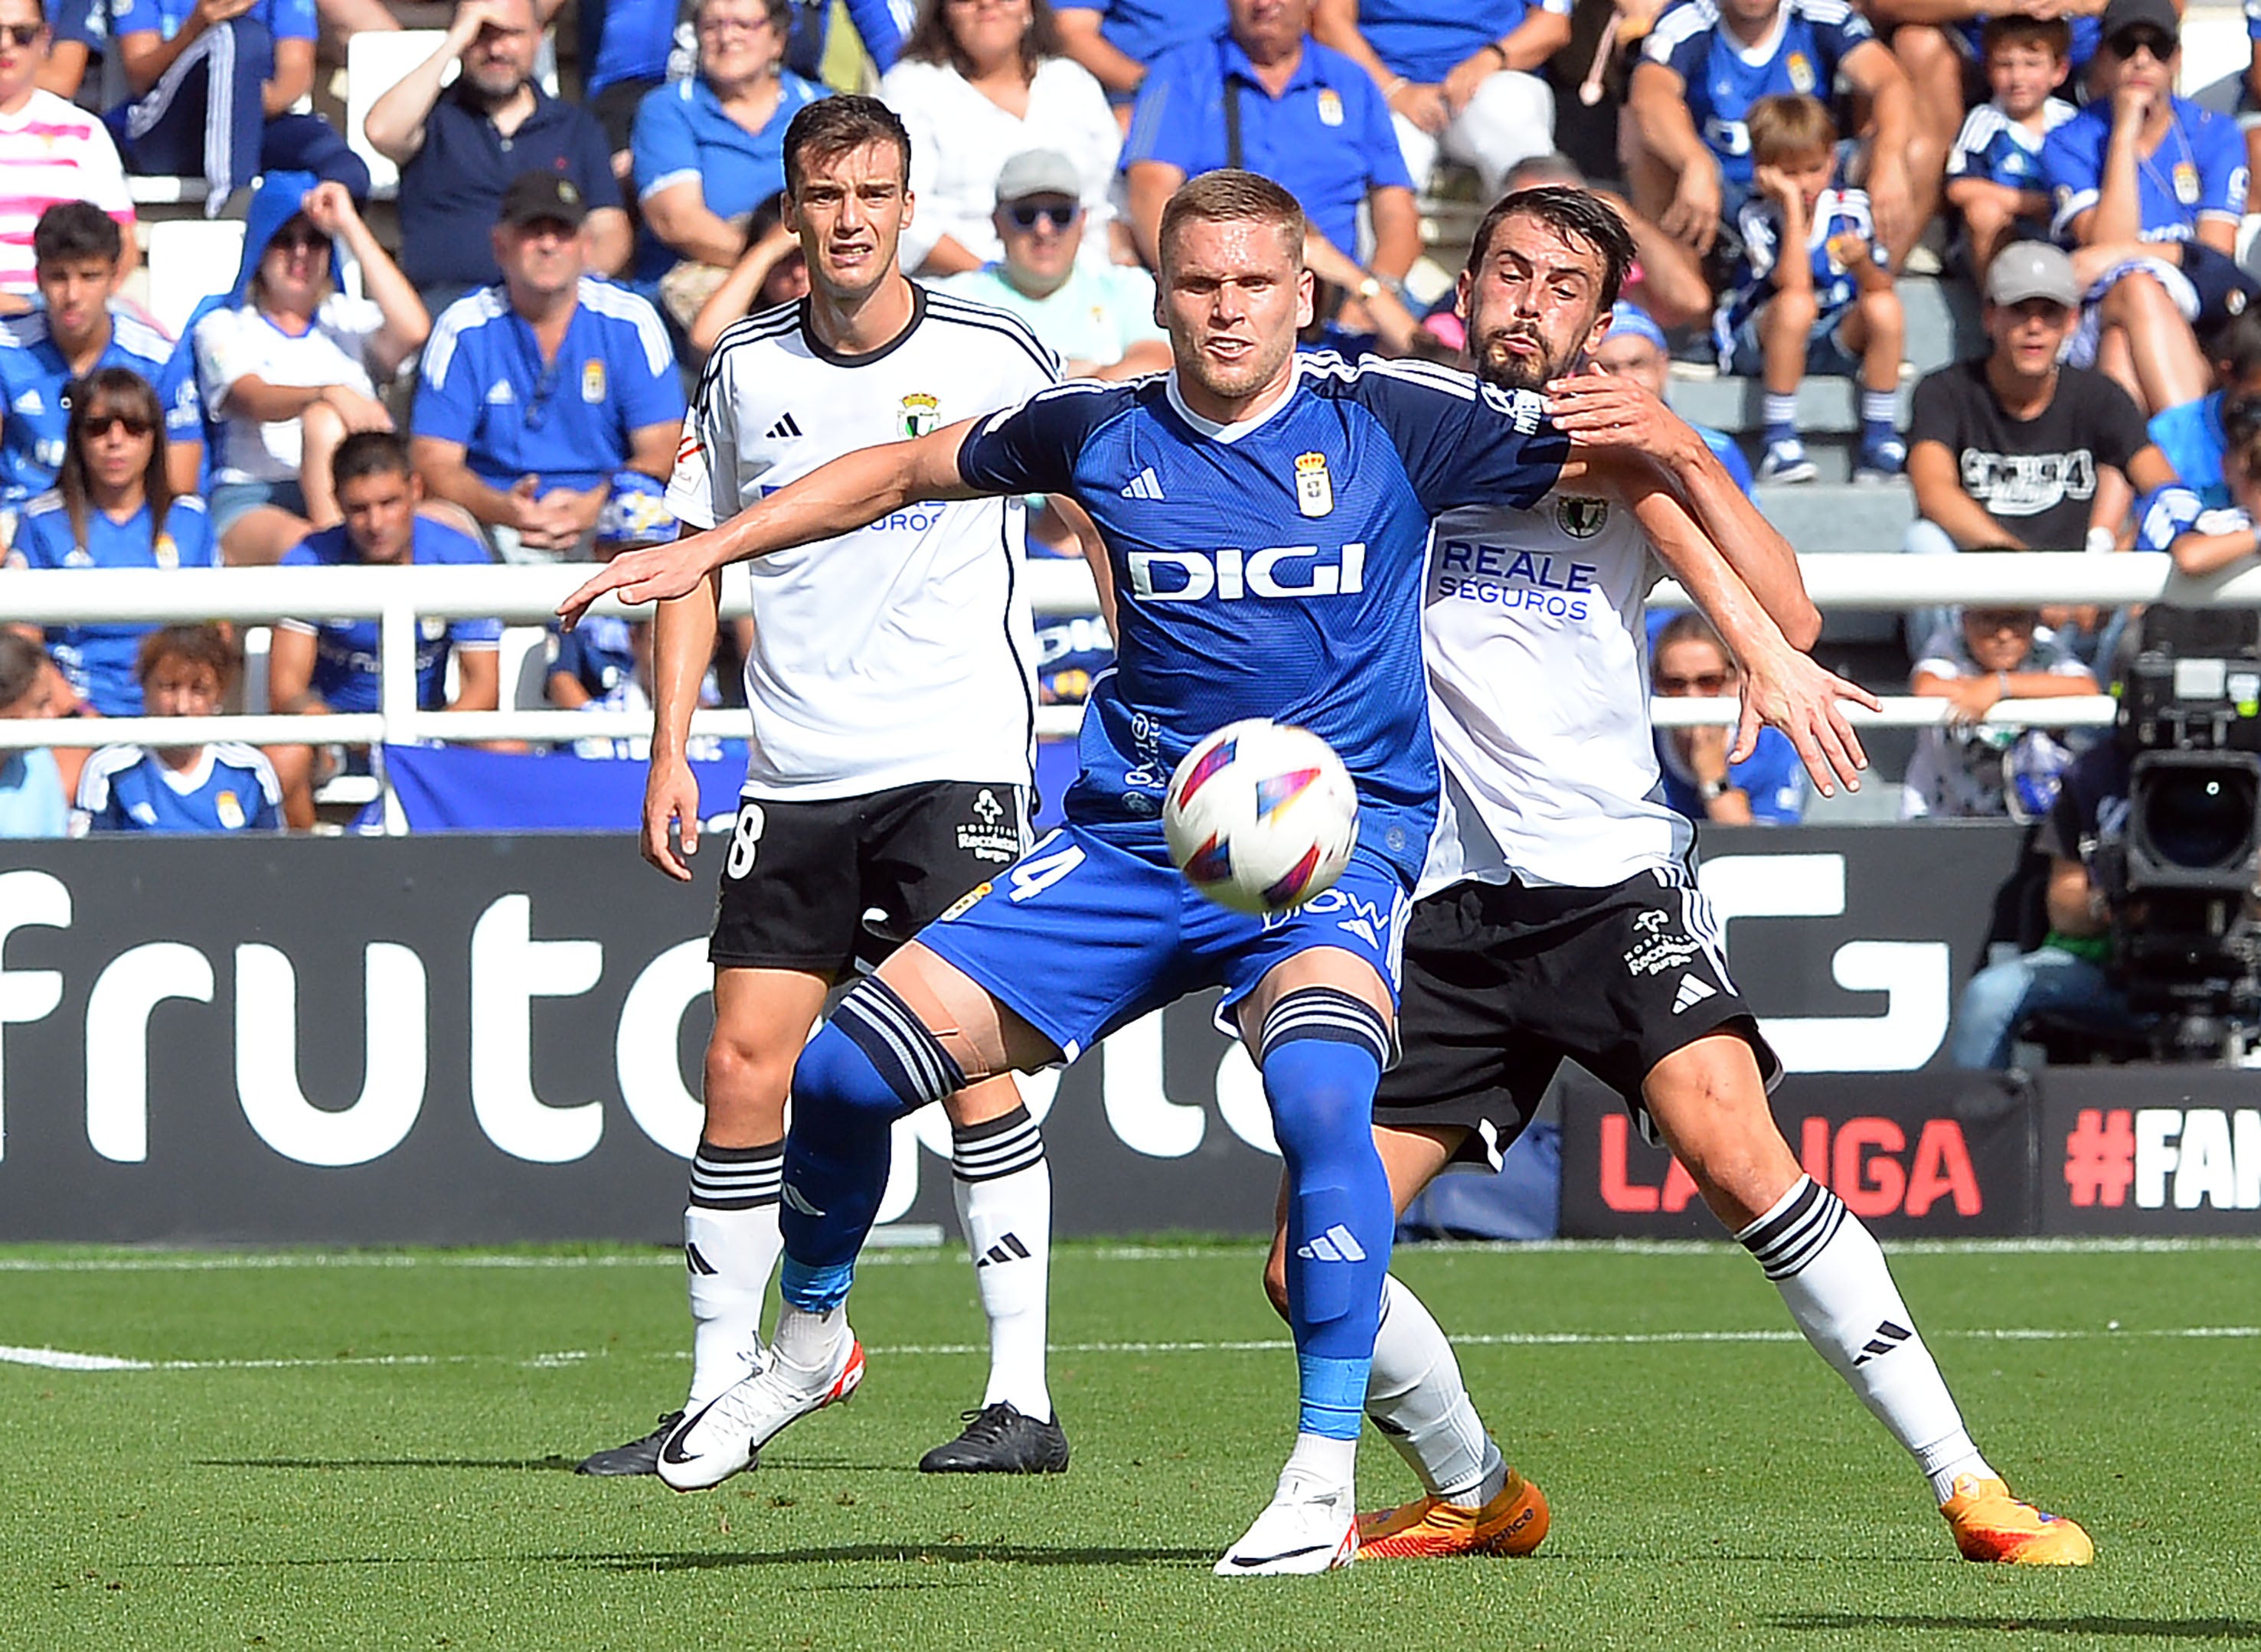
(807, 1341)
(1003, 1189)
(1333, 1463)
(730, 1248)
(1417, 1401)
(1832, 1276)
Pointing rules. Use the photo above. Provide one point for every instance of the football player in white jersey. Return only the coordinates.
(1560, 921)
(891, 682)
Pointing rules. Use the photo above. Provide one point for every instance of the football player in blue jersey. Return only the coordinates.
(1192, 479)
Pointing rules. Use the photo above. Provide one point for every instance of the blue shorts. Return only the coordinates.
(1825, 353)
(231, 502)
(1084, 935)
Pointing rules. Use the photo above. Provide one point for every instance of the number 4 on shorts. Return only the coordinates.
(1038, 872)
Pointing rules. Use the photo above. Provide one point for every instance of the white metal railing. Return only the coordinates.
(398, 599)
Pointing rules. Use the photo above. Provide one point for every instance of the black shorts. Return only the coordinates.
(1505, 982)
(823, 887)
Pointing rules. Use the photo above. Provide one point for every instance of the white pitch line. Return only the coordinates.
(64, 1359)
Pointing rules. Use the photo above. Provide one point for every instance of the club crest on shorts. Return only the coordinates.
(1315, 489)
(922, 414)
(1580, 518)
(964, 904)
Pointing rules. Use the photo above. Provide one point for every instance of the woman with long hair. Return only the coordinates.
(111, 507)
(979, 82)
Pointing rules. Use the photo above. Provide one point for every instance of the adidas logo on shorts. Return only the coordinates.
(1691, 992)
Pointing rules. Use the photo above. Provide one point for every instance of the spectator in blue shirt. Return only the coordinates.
(1687, 153)
(333, 665)
(709, 149)
(212, 83)
(32, 800)
(537, 392)
(1120, 40)
(185, 671)
(1462, 77)
(458, 152)
(1767, 788)
(79, 253)
(1994, 171)
(111, 507)
(1265, 97)
(2150, 187)
(2196, 435)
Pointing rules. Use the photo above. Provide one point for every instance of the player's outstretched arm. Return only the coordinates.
(682, 645)
(1780, 687)
(1620, 422)
(854, 491)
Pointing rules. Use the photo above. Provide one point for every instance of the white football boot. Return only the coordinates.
(713, 1443)
(1307, 1526)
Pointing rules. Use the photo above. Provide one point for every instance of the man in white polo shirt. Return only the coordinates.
(50, 151)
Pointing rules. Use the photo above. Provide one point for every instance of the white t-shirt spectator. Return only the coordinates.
(960, 142)
(242, 343)
(1956, 773)
(53, 151)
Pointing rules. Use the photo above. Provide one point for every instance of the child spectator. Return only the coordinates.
(185, 672)
(32, 802)
(1960, 768)
(2204, 539)
(1994, 171)
(113, 506)
(1812, 292)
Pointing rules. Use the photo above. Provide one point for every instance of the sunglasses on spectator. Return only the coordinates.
(2127, 42)
(298, 240)
(102, 424)
(23, 33)
(1701, 683)
(1025, 216)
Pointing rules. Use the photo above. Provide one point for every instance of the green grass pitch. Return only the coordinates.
(369, 1451)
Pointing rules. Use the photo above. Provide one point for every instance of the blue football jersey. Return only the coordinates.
(2197, 171)
(1723, 78)
(2191, 436)
(346, 651)
(1839, 215)
(2000, 150)
(98, 659)
(33, 376)
(1217, 618)
(228, 788)
(2164, 514)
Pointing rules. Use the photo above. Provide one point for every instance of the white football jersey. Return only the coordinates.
(903, 652)
(1532, 630)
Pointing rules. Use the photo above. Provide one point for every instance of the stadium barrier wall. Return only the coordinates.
(471, 1038)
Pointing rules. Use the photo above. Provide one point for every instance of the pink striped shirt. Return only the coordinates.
(52, 151)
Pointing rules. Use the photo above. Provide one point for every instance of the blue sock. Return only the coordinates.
(873, 1062)
(1322, 1060)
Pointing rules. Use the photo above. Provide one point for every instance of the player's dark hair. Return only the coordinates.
(1792, 124)
(21, 662)
(2053, 35)
(1228, 196)
(931, 41)
(1568, 211)
(1533, 170)
(105, 393)
(833, 126)
(207, 645)
(75, 230)
(369, 453)
(1688, 626)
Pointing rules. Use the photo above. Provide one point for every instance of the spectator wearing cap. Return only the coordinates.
(710, 148)
(547, 393)
(1099, 319)
(2151, 188)
(289, 366)
(459, 150)
(79, 256)
(50, 151)
(1461, 77)
(2015, 450)
(1264, 95)
(979, 81)
(1635, 347)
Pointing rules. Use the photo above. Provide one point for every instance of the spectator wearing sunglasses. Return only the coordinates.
(545, 395)
(1767, 787)
(111, 507)
(49, 151)
(291, 366)
(1099, 319)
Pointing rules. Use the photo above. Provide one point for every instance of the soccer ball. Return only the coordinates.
(1261, 816)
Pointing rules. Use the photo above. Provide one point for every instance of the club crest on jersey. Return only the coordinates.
(2186, 183)
(1800, 70)
(1315, 489)
(165, 552)
(1331, 107)
(592, 381)
(229, 810)
(922, 414)
(1580, 518)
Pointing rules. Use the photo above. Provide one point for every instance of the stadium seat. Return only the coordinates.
(189, 260)
(374, 64)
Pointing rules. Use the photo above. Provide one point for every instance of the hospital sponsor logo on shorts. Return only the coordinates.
(994, 831)
(1657, 949)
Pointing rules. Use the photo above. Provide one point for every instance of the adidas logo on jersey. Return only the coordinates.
(1145, 485)
(1338, 1244)
(1008, 1249)
(1691, 992)
(1888, 1337)
(499, 394)
(785, 426)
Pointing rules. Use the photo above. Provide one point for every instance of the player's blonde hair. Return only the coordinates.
(1228, 196)
(1794, 124)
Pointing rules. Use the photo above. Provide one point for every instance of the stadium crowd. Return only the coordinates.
(493, 364)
